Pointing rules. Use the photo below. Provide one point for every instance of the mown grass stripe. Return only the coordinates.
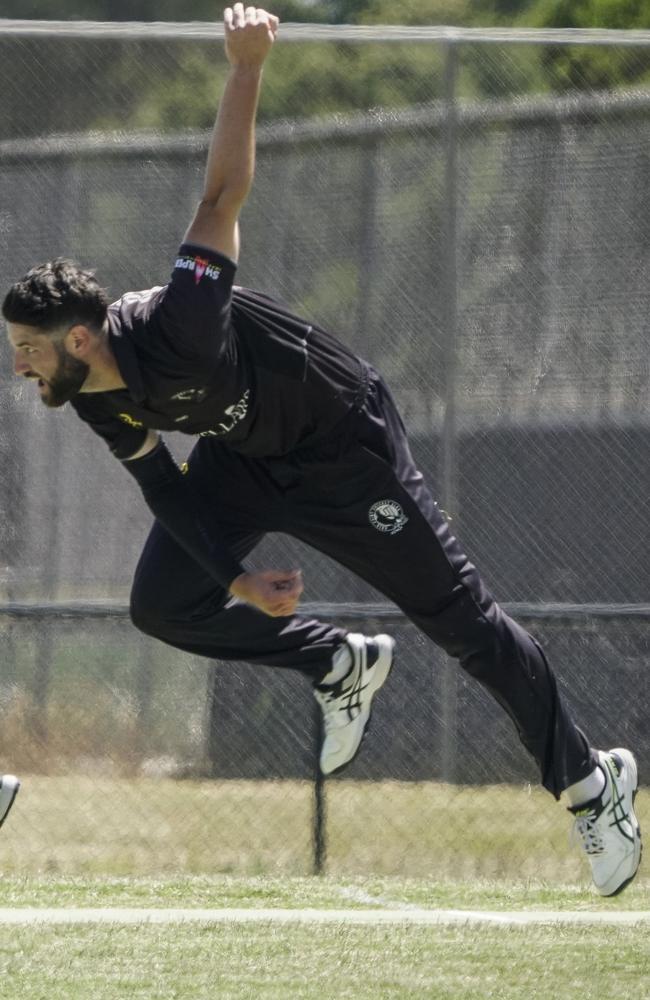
(142, 915)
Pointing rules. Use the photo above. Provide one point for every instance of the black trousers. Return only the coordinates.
(360, 499)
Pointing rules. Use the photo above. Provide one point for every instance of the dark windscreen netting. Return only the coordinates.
(136, 762)
(482, 235)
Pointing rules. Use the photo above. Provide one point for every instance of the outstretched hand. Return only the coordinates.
(274, 592)
(250, 33)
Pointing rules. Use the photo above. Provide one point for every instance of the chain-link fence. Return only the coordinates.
(470, 212)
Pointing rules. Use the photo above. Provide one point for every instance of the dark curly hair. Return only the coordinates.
(56, 294)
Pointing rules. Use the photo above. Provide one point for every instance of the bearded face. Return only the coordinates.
(45, 360)
(66, 380)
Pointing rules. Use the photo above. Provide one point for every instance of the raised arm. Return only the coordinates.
(228, 177)
(250, 32)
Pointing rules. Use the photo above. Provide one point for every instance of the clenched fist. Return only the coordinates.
(275, 592)
(250, 33)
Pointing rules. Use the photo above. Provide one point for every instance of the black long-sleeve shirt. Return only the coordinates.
(202, 356)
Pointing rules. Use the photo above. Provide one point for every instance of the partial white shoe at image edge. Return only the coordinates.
(9, 785)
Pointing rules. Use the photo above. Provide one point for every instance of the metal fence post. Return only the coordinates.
(450, 284)
(40, 690)
(449, 471)
(143, 696)
(212, 710)
(367, 245)
(319, 835)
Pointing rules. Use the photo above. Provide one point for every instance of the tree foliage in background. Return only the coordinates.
(149, 10)
(579, 67)
(309, 79)
(621, 14)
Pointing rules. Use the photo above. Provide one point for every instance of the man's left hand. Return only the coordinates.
(275, 592)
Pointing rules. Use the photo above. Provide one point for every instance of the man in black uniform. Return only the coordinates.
(296, 434)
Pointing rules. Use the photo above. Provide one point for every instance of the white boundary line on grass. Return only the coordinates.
(142, 915)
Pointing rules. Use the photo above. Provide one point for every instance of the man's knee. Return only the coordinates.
(486, 641)
(159, 608)
(145, 611)
(154, 603)
(465, 630)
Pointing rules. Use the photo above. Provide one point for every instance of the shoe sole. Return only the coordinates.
(379, 679)
(627, 881)
(631, 765)
(9, 786)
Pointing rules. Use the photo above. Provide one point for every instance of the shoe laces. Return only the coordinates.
(586, 828)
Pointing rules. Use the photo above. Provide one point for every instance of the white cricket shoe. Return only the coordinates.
(9, 786)
(346, 704)
(607, 826)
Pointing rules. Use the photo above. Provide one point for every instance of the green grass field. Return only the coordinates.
(264, 962)
(315, 962)
(80, 841)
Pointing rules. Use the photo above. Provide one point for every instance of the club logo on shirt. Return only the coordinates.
(387, 516)
(190, 395)
(233, 415)
(131, 421)
(199, 267)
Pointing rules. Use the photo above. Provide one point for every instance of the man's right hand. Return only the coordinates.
(275, 592)
(250, 33)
